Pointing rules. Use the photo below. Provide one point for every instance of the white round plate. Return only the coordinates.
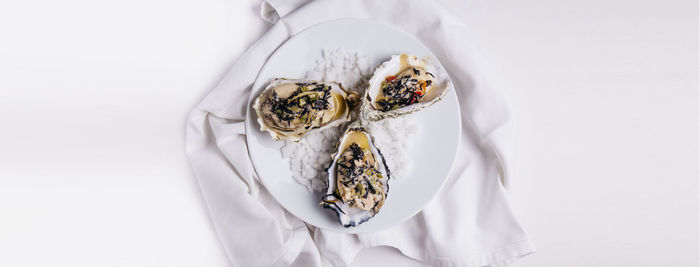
(436, 140)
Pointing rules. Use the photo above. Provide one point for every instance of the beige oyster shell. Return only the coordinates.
(403, 85)
(290, 108)
(358, 178)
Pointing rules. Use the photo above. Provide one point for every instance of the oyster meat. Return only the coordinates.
(403, 85)
(289, 109)
(357, 178)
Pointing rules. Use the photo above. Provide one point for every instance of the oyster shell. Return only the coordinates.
(289, 109)
(357, 178)
(403, 85)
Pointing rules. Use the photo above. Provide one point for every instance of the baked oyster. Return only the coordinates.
(289, 109)
(357, 178)
(403, 85)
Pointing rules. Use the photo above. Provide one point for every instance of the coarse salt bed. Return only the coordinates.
(309, 157)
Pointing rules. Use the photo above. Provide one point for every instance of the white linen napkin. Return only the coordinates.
(469, 223)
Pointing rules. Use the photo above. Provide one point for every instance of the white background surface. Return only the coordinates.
(94, 97)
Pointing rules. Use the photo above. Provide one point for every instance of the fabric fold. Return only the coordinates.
(272, 10)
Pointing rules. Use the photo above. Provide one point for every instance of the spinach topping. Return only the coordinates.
(402, 91)
(355, 173)
(302, 103)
